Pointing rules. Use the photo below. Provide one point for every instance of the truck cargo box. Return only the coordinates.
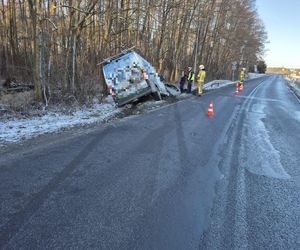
(129, 76)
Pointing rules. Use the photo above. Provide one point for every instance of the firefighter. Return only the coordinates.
(201, 78)
(190, 79)
(242, 78)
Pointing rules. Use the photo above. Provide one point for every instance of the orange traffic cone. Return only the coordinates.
(237, 90)
(241, 87)
(210, 111)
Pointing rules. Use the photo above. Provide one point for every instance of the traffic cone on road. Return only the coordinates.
(210, 111)
(236, 90)
(241, 87)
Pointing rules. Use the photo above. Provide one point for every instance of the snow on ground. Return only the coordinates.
(263, 158)
(221, 83)
(14, 130)
(255, 75)
(294, 83)
(217, 84)
(210, 85)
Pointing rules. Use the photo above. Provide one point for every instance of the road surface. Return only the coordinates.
(169, 179)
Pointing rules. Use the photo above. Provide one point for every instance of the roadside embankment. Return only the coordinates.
(294, 84)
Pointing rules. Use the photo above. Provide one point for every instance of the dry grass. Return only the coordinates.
(17, 101)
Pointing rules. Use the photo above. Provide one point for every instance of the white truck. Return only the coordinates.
(129, 76)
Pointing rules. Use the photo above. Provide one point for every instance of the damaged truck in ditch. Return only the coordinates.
(129, 76)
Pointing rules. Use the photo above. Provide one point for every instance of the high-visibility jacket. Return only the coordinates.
(201, 76)
(191, 76)
(242, 75)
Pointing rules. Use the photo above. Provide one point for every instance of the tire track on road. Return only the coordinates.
(229, 227)
(17, 220)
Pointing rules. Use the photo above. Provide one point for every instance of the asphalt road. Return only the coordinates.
(168, 179)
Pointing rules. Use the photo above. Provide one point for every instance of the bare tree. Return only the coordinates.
(57, 43)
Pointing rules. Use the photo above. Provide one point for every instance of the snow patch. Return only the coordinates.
(217, 84)
(255, 75)
(294, 85)
(264, 158)
(14, 130)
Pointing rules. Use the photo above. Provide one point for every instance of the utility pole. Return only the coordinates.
(196, 49)
(234, 64)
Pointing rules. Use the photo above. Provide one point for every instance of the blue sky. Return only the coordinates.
(282, 22)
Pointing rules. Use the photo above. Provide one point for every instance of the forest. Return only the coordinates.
(56, 45)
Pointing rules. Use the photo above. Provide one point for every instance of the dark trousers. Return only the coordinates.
(189, 89)
(182, 82)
